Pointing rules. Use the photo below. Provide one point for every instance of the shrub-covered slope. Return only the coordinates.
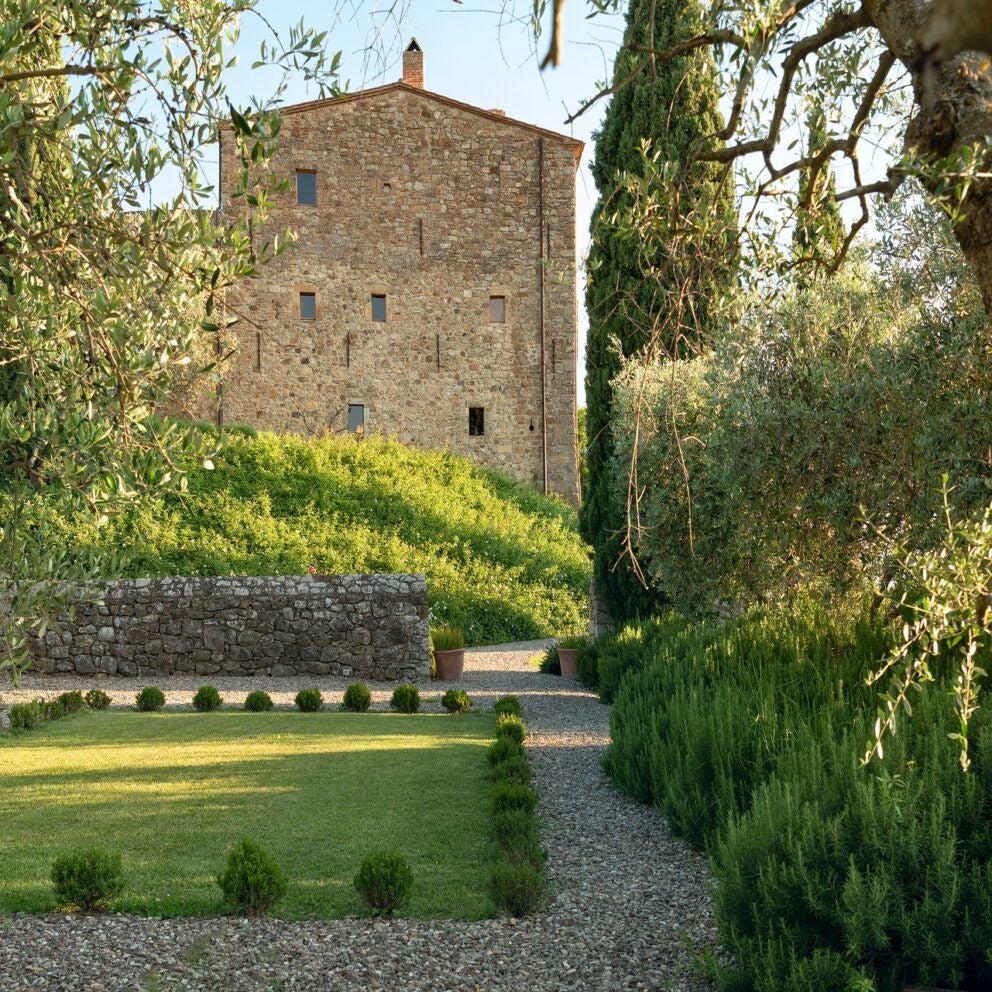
(502, 561)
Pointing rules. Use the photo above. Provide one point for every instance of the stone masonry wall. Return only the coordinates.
(361, 626)
(437, 207)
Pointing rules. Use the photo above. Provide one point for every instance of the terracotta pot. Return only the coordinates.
(450, 664)
(567, 658)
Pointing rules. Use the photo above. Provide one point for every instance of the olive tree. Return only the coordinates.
(100, 105)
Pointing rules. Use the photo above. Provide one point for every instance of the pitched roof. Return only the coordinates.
(501, 118)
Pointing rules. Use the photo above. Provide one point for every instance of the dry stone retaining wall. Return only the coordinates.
(365, 626)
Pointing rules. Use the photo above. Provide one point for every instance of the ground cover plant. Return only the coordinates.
(831, 875)
(502, 562)
(316, 792)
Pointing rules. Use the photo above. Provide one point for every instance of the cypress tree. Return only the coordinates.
(674, 105)
(819, 230)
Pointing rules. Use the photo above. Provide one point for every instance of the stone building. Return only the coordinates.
(431, 293)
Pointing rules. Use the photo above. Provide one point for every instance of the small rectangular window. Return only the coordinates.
(497, 309)
(476, 421)
(306, 188)
(356, 418)
(308, 306)
(379, 308)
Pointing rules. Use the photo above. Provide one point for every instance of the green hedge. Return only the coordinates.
(502, 562)
(831, 876)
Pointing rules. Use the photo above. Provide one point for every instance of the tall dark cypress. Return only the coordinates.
(819, 231)
(674, 105)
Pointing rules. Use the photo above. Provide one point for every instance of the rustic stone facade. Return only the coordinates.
(361, 626)
(439, 207)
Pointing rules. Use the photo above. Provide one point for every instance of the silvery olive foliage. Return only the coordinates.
(104, 108)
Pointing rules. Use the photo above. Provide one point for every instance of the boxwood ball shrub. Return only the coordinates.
(384, 882)
(517, 888)
(72, 702)
(97, 699)
(54, 709)
(511, 727)
(88, 879)
(27, 716)
(516, 768)
(456, 701)
(150, 699)
(502, 750)
(508, 704)
(258, 701)
(309, 700)
(550, 662)
(357, 698)
(513, 795)
(207, 699)
(252, 882)
(406, 698)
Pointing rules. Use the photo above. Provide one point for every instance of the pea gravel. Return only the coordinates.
(628, 902)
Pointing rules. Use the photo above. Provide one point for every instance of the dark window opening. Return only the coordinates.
(379, 308)
(308, 306)
(476, 421)
(497, 309)
(356, 418)
(306, 188)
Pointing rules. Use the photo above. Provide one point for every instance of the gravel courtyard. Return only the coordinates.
(628, 900)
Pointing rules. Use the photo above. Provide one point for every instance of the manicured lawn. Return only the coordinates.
(173, 791)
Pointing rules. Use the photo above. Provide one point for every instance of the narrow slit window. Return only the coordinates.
(306, 188)
(356, 418)
(308, 306)
(497, 309)
(476, 421)
(379, 308)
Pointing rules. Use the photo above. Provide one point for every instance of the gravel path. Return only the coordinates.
(628, 900)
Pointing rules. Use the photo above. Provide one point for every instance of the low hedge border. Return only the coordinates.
(517, 882)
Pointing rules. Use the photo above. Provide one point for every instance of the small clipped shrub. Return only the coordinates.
(258, 701)
(517, 888)
(513, 795)
(511, 727)
(97, 699)
(357, 698)
(508, 704)
(512, 824)
(309, 700)
(207, 699)
(55, 709)
(406, 698)
(456, 701)
(88, 879)
(72, 702)
(504, 749)
(516, 768)
(447, 638)
(384, 882)
(252, 882)
(27, 716)
(150, 699)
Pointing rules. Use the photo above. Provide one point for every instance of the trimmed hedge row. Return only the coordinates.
(832, 876)
(517, 881)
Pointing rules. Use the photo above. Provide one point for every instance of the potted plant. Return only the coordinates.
(449, 653)
(568, 653)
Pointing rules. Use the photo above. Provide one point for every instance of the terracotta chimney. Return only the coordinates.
(413, 65)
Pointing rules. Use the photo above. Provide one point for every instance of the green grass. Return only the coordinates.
(173, 791)
(502, 561)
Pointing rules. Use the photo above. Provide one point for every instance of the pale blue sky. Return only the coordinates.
(468, 55)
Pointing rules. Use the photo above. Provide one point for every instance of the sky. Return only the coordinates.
(472, 54)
